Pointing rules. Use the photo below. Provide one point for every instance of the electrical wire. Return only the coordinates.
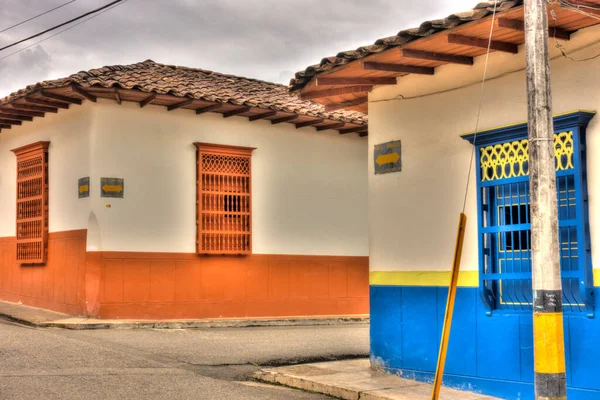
(487, 56)
(559, 46)
(64, 30)
(63, 24)
(37, 16)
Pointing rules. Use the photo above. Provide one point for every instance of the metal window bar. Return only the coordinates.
(505, 225)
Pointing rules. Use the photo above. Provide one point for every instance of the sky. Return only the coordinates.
(264, 39)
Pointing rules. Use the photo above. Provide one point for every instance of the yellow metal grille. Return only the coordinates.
(511, 159)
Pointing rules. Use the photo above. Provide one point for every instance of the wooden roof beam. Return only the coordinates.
(335, 92)
(517, 25)
(2, 126)
(28, 107)
(237, 111)
(118, 97)
(210, 108)
(15, 117)
(355, 129)
(441, 57)
(284, 119)
(309, 123)
(12, 111)
(262, 116)
(386, 67)
(346, 104)
(363, 134)
(147, 100)
(180, 104)
(483, 43)
(58, 97)
(325, 81)
(46, 103)
(331, 126)
(9, 122)
(77, 89)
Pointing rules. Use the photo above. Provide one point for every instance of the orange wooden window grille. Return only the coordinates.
(224, 199)
(32, 203)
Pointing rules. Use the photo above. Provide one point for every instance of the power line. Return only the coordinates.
(64, 30)
(37, 16)
(61, 25)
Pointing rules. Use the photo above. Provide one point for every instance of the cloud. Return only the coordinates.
(264, 39)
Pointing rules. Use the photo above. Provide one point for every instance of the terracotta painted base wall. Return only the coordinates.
(58, 285)
(171, 285)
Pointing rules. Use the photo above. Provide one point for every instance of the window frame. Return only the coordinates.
(228, 200)
(23, 154)
(576, 122)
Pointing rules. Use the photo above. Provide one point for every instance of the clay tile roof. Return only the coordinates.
(427, 28)
(150, 76)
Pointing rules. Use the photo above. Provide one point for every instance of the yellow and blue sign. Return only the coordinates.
(387, 157)
(112, 187)
(83, 187)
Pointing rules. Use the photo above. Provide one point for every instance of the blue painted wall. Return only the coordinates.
(487, 354)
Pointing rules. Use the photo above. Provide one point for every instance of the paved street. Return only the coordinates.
(51, 363)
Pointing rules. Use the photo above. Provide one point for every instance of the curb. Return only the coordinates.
(205, 324)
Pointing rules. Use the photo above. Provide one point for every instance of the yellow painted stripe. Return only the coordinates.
(523, 122)
(422, 278)
(548, 343)
(434, 278)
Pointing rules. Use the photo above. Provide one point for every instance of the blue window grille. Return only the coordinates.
(504, 230)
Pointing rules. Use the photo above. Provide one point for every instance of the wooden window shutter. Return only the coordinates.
(32, 203)
(224, 199)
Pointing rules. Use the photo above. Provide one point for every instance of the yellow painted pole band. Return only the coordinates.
(549, 343)
(439, 373)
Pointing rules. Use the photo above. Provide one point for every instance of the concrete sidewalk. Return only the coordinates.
(43, 318)
(355, 380)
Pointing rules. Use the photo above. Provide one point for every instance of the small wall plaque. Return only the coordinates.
(83, 187)
(112, 187)
(387, 157)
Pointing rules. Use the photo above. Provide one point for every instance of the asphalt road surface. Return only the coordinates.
(163, 364)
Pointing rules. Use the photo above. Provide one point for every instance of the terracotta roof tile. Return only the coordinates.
(427, 28)
(149, 76)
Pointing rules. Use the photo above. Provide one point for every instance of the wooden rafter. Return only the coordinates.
(27, 107)
(363, 134)
(15, 117)
(2, 126)
(309, 123)
(180, 104)
(262, 115)
(441, 57)
(517, 25)
(212, 107)
(76, 89)
(335, 92)
(346, 104)
(46, 103)
(284, 119)
(9, 122)
(355, 129)
(483, 43)
(117, 96)
(331, 126)
(237, 111)
(64, 99)
(147, 100)
(12, 111)
(387, 67)
(325, 81)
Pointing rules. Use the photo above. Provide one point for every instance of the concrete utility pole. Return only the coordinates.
(548, 334)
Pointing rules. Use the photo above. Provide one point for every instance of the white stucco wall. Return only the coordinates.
(414, 213)
(68, 133)
(309, 188)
